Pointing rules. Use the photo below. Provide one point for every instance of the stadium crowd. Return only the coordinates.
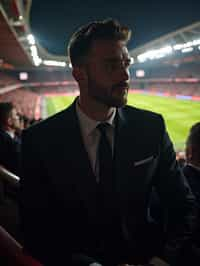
(24, 101)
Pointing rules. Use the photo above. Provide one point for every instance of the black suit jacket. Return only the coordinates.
(193, 177)
(58, 189)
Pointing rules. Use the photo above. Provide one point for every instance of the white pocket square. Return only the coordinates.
(146, 160)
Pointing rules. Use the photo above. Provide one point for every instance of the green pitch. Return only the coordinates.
(179, 115)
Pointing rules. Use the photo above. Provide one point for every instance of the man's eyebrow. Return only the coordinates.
(113, 59)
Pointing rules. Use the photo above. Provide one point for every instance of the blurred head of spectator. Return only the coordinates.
(180, 157)
(193, 145)
(9, 119)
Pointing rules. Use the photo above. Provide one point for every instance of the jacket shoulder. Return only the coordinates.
(142, 115)
(50, 124)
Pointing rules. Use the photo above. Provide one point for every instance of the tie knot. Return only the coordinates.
(102, 127)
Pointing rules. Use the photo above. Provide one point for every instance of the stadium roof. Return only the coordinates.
(19, 49)
(181, 36)
(12, 51)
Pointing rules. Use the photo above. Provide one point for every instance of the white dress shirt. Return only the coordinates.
(91, 136)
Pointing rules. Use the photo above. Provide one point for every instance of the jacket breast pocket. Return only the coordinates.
(143, 170)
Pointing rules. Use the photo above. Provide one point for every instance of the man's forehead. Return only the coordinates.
(109, 49)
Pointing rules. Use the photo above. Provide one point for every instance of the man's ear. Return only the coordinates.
(79, 74)
(8, 121)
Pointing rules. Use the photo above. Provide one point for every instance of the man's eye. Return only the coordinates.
(111, 66)
(127, 62)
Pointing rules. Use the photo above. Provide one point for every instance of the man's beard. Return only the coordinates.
(110, 98)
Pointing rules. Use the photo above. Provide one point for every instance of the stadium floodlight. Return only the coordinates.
(31, 39)
(23, 76)
(196, 42)
(54, 63)
(132, 60)
(36, 59)
(140, 73)
(181, 46)
(187, 50)
(155, 54)
(33, 50)
(178, 46)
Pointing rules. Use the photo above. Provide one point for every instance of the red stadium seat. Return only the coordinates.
(11, 253)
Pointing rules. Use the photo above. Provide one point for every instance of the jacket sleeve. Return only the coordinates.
(178, 201)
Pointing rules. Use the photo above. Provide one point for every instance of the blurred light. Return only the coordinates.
(31, 39)
(186, 45)
(36, 59)
(34, 50)
(70, 65)
(196, 42)
(164, 51)
(140, 73)
(23, 75)
(132, 60)
(187, 50)
(155, 54)
(183, 97)
(20, 17)
(54, 63)
(199, 47)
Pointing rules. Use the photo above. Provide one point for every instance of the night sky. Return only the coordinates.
(53, 22)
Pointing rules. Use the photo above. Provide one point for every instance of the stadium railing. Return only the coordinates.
(11, 251)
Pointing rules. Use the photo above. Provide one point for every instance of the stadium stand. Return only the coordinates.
(26, 102)
(6, 79)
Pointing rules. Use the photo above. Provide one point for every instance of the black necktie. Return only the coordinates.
(106, 204)
(105, 159)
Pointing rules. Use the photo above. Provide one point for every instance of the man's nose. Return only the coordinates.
(125, 73)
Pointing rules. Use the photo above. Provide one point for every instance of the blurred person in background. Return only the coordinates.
(9, 168)
(180, 157)
(9, 143)
(88, 171)
(192, 172)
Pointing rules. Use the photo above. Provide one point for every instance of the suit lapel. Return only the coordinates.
(128, 148)
(125, 145)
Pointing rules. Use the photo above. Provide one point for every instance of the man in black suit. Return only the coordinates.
(9, 146)
(192, 172)
(78, 209)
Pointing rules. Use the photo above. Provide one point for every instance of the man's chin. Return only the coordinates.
(119, 102)
(120, 97)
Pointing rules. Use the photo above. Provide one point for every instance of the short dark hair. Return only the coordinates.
(82, 39)
(5, 109)
(193, 139)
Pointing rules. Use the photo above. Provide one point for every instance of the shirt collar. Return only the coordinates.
(88, 124)
(11, 134)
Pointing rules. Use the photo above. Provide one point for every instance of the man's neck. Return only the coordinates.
(95, 111)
